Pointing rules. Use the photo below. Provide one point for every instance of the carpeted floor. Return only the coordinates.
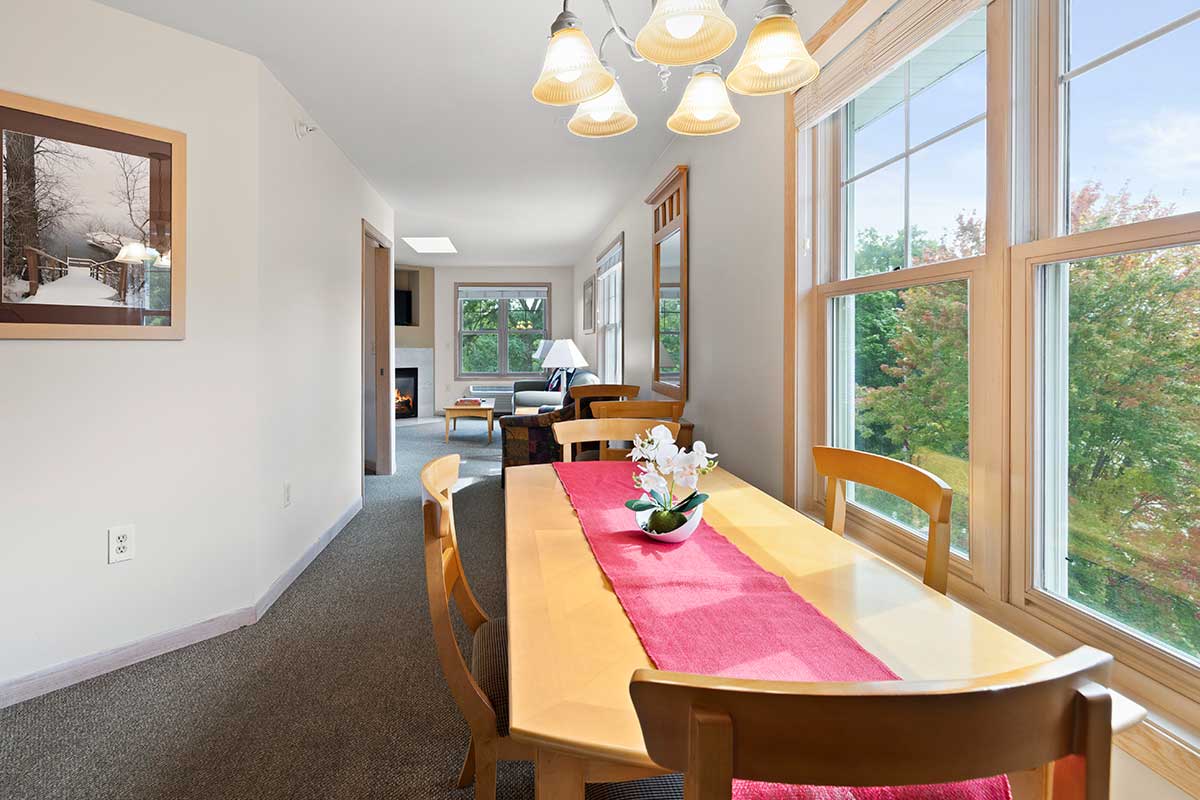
(336, 693)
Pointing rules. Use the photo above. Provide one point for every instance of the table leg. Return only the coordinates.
(489, 427)
(559, 777)
(447, 429)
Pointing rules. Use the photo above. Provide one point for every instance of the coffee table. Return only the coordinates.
(485, 410)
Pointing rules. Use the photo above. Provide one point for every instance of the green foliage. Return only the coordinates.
(481, 352)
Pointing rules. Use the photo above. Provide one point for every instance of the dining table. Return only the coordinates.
(572, 648)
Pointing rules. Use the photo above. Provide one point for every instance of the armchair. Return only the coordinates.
(534, 394)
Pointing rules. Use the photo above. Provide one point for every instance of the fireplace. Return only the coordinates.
(406, 392)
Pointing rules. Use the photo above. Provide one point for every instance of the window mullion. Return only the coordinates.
(907, 165)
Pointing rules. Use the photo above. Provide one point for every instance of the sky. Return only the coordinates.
(1134, 121)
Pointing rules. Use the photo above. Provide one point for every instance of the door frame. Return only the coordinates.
(383, 275)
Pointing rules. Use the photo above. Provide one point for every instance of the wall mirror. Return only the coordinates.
(670, 284)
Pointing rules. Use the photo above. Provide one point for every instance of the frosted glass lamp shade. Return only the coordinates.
(682, 32)
(571, 73)
(607, 115)
(136, 253)
(705, 109)
(775, 60)
(564, 355)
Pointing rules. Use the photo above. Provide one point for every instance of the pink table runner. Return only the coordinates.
(705, 607)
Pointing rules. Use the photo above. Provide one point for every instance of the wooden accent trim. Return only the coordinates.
(789, 299)
(459, 375)
(669, 203)
(831, 26)
(1166, 753)
(178, 142)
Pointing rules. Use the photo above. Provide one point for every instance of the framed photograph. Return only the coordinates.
(93, 224)
(589, 305)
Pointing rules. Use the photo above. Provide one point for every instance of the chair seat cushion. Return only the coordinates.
(489, 667)
(663, 787)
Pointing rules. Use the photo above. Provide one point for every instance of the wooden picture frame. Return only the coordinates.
(589, 304)
(133, 244)
(670, 214)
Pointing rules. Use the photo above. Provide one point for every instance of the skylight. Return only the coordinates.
(430, 244)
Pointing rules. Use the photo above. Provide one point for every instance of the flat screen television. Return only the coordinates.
(404, 307)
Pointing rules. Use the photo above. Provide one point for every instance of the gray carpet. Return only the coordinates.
(335, 693)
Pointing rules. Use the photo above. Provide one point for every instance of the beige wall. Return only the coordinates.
(735, 360)
(562, 316)
(190, 441)
(421, 334)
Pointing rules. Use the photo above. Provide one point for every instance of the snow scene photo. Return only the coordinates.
(79, 232)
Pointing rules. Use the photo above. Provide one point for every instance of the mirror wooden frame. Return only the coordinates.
(669, 202)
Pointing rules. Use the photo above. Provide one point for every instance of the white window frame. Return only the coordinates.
(610, 312)
(501, 332)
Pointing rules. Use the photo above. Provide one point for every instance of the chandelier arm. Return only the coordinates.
(620, 32)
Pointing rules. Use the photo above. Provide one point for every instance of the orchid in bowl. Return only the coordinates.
(668, 474)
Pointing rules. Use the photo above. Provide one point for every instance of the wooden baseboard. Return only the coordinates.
(84, 668)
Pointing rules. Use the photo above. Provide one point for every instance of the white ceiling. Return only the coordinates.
(431, 100)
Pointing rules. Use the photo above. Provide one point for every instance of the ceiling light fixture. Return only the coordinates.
(775, 59)
(678, 33)
(705, 109)
(607, 115)
(682, 32)
(571, 72)
(430, 244)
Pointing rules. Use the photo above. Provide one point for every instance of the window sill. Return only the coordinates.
(1168, 742)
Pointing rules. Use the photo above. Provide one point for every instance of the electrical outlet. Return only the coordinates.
(120, 543)
(287, 494)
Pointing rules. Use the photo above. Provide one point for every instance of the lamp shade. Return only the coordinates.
(571, 73)
(136, 253)
(542, 349)
(564, 355)
(681, 32)
(607, 115)
(775, 60)
(704, 109)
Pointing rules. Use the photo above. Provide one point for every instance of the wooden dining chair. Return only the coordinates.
(480, 689)
(603, 431)
(923, 489)
(585, 395)
(1055, 716)
(634, 409)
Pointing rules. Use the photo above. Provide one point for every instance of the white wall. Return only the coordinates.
(735, 358)
(190, 440)
(562, 316)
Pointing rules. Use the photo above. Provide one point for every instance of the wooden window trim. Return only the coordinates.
(669, 202)
(502, 334)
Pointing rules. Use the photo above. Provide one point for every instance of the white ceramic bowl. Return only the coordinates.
(679, 534)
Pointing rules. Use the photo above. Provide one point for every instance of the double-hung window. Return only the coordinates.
(610, 311)
(1107, 338)
(500, 328)
(906, 205)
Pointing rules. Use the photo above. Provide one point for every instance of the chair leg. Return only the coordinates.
(467, 776)
(485, 775)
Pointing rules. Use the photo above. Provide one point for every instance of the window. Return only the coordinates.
(1120, 439)
(914, 179)
(500, 328)
(1129, 144)
(900, 390)
(610, 312)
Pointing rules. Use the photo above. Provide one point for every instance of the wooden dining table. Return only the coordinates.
(572, 649)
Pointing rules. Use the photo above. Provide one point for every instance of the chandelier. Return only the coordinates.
(678, 33)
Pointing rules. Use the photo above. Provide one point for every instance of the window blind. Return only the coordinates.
(903, 31)
(502, 293)
(610, 259)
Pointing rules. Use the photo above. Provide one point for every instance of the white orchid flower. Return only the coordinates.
(662, 434)
(664, 456)
(702, 451)
(650, 481)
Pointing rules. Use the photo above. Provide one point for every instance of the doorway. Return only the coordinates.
(378, 354)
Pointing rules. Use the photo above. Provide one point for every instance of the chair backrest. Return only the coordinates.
(604, 430)
(638, 409)
(890, 733)
(923, 489)
(608, 391)
(444, 578)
